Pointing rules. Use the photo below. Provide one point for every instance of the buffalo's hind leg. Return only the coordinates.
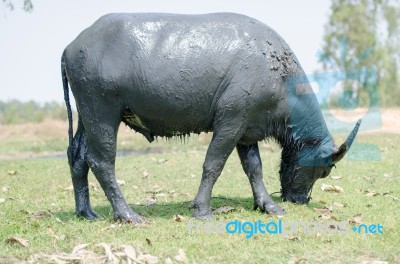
(102, 140)
(79, 172)
(252, 166)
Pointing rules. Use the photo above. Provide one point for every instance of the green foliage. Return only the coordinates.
(365, 34)
(14, 112)
(27, 6)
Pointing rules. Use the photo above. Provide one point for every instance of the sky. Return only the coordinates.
(31, 44)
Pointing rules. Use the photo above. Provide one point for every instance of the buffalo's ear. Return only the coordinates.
(338, 153)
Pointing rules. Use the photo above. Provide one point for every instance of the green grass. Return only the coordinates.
(174, 174)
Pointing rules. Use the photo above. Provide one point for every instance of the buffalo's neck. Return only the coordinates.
(302, 123)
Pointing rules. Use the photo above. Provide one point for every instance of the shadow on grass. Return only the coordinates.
(169, 209)
(165, 210)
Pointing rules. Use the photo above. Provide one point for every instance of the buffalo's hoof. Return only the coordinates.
(274, 209)
(270, 208)
(88, 214)
(201, 212)
(203, 215)
(130, 219)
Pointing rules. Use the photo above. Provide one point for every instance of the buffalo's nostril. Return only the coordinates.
(295, 198)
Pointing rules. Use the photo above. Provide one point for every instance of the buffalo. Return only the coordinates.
(167, 75)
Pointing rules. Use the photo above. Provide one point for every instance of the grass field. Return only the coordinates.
(37, 220)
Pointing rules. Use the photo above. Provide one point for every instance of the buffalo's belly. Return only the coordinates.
(168, 116)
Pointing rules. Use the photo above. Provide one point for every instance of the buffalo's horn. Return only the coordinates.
(338, 154)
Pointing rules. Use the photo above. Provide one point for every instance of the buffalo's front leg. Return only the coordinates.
(252, 166)
(228, 128)
(216, 156)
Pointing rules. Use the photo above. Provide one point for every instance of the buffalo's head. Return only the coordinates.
(302, 165)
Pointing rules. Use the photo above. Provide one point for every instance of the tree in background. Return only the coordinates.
(365, 34)
(28, 6)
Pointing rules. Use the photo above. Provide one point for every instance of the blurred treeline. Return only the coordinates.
(362, 40)
(15, 112)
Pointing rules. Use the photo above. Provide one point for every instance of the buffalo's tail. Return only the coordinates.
(68, 105)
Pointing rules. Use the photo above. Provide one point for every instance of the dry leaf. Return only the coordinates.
(158, 189)
(12, 172)
(335, 177)
(110, 256)
(357, 219)
(374, 262)
(293, 238)
(161, 195)
(121, 182)
(224, 209)
(160, 161)
(181, 257)
(149, 201)
(17, 241)
(334, 218)
(112, 226)
(145, 175)
(130, 252)
(168, 261)
(324, 217)
(10, 260)
(369, 193)
(297, 260)
(149, 241)
(135, 187)
(179, 218)
(147, 258)
(338, 205)
(78, 248)
(323, 210)
(50, 230)
(5, 189)
(327, 217)
(40, 215)
(69, 188)
(372, 193)
(331, 188)
(2, 200)
(393, 197)
(332, 227)
(93, 186)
